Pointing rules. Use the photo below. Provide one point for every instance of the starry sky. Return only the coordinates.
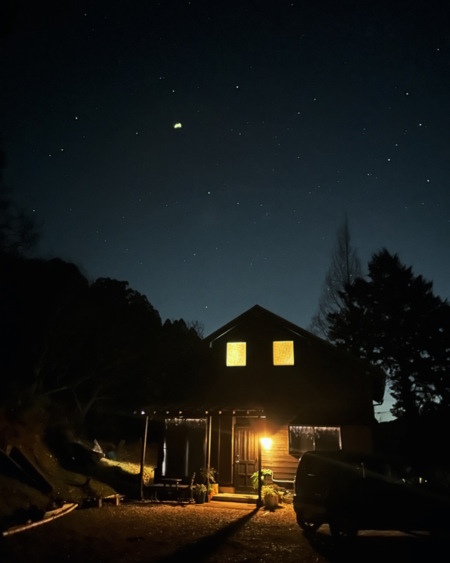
(208, 151)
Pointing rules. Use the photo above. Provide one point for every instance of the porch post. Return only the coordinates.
(259, 502)
(205, 444)
(208, 466)
(219, 431)
(144, 446)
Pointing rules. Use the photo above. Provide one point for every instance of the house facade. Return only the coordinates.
(276, 391)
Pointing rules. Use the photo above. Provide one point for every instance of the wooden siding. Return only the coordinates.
(278, 458)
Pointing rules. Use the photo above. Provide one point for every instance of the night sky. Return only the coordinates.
(293, 115)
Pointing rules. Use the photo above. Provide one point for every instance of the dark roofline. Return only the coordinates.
(299, 331)
(257, 308)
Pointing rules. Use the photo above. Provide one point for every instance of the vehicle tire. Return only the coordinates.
(306, 525)
(343, 527)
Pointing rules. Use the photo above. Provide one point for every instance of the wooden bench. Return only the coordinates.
(115, 499)
(170, 485)
(167, 485)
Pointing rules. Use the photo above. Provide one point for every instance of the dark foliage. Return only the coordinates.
(35, 298)
(394, 320)
(86, 346)
(17, 229)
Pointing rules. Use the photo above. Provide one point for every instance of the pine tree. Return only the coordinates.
(394, 320)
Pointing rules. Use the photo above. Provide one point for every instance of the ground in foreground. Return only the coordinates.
(211, 532)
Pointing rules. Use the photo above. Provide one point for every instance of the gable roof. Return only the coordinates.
(259, 316)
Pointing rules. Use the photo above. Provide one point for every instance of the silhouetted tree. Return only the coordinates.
(17, 230)
(87, 346)
(152, 363)
(36, 296)
(184, 378)
(344, 269)
(197, 327)
(394, 320)
(106, 349)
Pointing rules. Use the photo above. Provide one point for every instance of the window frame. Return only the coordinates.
(314, 433)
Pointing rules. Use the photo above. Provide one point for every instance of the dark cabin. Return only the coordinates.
(274, 384)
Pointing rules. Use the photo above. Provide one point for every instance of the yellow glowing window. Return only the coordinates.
(236, 353)
(283, 353)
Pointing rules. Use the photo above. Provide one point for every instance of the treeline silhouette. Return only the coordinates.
(82, 345)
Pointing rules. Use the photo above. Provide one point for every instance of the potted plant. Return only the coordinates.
(270, 496)
(266, 477)
(207, 478)
(199, 493)
(207, 474)
(214, 489)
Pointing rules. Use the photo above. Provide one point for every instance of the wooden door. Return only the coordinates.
(245, 458)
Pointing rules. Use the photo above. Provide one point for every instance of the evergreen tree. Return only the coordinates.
(394, 320)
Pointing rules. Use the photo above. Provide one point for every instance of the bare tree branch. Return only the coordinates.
(344, 269)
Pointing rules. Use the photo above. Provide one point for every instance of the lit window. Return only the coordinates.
(283, 353)
(305, 438)
(236, 353)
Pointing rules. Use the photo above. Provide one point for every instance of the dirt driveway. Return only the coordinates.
(211, 532)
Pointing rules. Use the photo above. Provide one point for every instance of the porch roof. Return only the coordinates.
(200, 412)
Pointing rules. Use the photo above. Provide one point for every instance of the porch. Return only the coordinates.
(229, 444)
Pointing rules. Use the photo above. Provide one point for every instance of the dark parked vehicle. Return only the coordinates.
(352, 492)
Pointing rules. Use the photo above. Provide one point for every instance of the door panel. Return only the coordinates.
(245, 458)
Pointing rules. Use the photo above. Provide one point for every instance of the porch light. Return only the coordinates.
(266, 443)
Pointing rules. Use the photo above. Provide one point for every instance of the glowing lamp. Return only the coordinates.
(266, 443)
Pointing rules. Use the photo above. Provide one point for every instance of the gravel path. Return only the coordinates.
(211, 532)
